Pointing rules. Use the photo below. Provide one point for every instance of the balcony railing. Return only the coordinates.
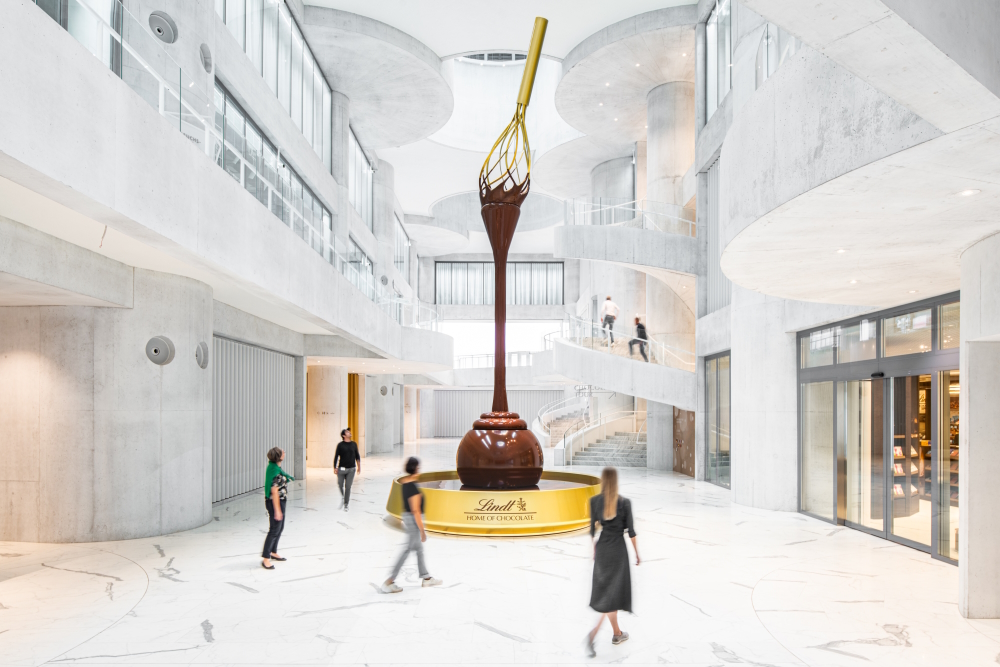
(514, 359)
(120, 41)
(593, 336)
(643, 214)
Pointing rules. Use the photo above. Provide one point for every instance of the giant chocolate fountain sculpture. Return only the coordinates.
(500, 452)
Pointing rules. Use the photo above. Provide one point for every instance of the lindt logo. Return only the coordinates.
(488, 510)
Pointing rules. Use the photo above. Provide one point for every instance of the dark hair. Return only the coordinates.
(274, 454)
(343, 432)
(411, 465)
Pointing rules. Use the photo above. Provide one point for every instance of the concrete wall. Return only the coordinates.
(614, 179)
(326, 413)
(97, 442)
(425, 404)
(670, 140)
(381, 413)
(659, 436)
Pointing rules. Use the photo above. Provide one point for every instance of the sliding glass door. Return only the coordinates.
(859, 437)
(717, 415)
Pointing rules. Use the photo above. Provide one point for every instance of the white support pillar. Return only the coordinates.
(326, 410)
(979, 434)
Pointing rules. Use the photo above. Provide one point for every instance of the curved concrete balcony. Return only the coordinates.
(845, 170)
(632, 376)
(674, 258)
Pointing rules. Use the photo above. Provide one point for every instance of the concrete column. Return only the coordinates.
(670, 140)
(614, 179)
(383, 217)
(426, 403)
(639, 153)
(380, 412)
(97, 442)
(700, 101)
(979, 442)
(300, 428)
(327, 413)
(764, 386)
(659, 436)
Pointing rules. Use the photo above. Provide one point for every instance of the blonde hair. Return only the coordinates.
(609, 489)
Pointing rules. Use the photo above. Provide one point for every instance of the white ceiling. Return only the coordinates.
(452, 27)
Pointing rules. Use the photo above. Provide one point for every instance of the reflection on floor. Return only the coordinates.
(719, 584)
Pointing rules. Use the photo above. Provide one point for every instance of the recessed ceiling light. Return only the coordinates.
(637, 64)
(968, 193)
(841, 251)
(616, 119)
(684, 54)
(600, 104)
(646, 126)
(913, 291)
(853, 282)
(607, 84)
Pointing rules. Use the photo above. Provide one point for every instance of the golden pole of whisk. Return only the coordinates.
(504, 159)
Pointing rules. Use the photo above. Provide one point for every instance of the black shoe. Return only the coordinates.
(280, 560)
(266, 567)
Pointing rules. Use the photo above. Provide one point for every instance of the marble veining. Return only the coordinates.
(720, 584)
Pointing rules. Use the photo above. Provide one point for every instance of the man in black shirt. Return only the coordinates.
(640, 333)
(346, 461)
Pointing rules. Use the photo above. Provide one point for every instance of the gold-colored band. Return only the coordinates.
(487, 512)
(531, 64)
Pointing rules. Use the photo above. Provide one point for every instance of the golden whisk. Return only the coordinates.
(511, 153)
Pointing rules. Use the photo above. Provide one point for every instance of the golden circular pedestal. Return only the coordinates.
(563, 507)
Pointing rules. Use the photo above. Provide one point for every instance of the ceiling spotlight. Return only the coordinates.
(607, 84)
(913, 291)
(684, 54)
(853, 282)
(616, 119)
(637, 64)
(841, 251)
(646, 126)
(968, 193)
(600, 104)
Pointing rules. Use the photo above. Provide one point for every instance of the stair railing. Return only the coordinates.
(582, 433)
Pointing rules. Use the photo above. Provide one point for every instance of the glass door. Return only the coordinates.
(861, 443)
(947, 465)
(717, 415)
(910, 476)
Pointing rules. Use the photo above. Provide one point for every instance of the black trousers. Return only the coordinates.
(642, 347)
(274, 531)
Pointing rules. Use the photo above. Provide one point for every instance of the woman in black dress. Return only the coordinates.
(612, 586)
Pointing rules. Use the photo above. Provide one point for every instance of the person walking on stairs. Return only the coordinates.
(640, 338)
(413, 523)
(611, 590)
(347, 462)
(609, 313)
(275, 489)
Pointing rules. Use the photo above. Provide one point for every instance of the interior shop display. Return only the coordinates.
(501, 452)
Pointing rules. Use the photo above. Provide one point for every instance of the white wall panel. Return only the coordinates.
(253, 409)
(454, 411)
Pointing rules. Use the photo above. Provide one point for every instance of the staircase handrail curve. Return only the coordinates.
(581, 425)
(642, 213)
(661, 352)
(552, 407)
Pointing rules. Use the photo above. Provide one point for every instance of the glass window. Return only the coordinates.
(401, 257)
(307, 96)
(719, 55)
(327, 124)
(856, 342)
(816, 349)
(317, 112)
(906, 334)
(295, 109)
(717, 386)
(220, 9)
(269, 47)
(528, 283)
(236, 20)
(255, 33)
(948, 456)
(911, 467)
(360, 178)
(949, 325)
(816, 456)
(284, 57)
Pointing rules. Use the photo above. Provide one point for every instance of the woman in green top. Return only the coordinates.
(275, 483)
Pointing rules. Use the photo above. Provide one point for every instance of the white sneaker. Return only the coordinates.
(431, 581)
(391, 588)
(347, 508)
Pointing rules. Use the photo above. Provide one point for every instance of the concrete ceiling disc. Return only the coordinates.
(565, 170)
(397, 91)
(607, 77)
(433, 236)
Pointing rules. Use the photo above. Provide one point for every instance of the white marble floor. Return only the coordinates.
(719, 584)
